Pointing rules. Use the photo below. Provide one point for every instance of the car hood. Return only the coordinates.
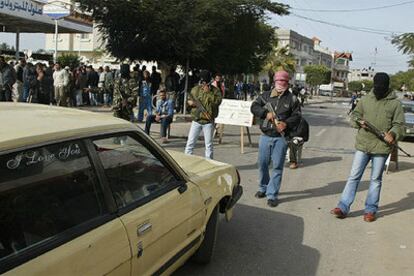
(409, 118)
(196, 165)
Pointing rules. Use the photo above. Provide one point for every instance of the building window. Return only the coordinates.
(84, 36)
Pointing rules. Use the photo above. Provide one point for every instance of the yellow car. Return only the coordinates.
(88, 194)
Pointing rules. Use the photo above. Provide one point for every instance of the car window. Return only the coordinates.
(44, 192)
(133, 172)
(408, 108)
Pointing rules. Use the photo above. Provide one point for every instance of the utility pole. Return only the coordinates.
(56, 42)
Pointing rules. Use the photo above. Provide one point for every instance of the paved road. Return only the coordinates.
(300, 237)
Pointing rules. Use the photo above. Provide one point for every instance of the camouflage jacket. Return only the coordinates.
(125, 89)
(210, 102)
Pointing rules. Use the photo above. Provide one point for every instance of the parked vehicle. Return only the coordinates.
(326, 90)
(409, 117)
(88, 194)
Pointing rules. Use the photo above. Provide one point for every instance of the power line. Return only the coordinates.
(355, 10)
(352, 28)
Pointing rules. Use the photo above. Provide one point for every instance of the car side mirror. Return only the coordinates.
(183, 187)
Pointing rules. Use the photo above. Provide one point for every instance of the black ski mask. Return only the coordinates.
(125, 71)
(381, 85)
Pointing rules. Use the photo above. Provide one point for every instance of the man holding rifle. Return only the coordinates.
(280, 113)
(379, 118)
(125, 94)
(204, 101)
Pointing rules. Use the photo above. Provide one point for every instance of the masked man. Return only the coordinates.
(279, 113)
(383, 110)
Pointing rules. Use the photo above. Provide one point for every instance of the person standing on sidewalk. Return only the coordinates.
(382, 109)
(145, 97)
(204, 101)
(60, 82)
(155, 80)
(18, 86)
(8, 76)
(272, 143)
(125, 94)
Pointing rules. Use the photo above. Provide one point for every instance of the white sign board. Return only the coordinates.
(21, 8)
(56, 10)
(234, 112)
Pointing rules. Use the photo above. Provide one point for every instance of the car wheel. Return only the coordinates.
(205, 252)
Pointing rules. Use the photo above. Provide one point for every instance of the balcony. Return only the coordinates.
(341, 67)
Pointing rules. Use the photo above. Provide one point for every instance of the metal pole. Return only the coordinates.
(56, 41)
(17, 55)
(187, 65)
(80, 40)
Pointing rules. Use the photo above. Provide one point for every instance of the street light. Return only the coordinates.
(56, 10)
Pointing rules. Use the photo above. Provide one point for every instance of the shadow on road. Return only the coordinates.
(307, 162)
(406, 203)
(330, 189)
(259, 242)
(404, 166)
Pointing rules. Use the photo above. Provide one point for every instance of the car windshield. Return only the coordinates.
(408, 107)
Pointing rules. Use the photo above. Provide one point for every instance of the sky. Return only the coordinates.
(362, 45)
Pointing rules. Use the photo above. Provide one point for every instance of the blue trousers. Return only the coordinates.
(361, 160)
(271, 149)
(144, 103)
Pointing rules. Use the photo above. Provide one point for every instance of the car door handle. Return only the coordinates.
(144, 228)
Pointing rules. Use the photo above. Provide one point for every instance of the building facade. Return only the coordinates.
(362, 74)
(301, 47)
(341, 70)
(89, 46)
(323, 56)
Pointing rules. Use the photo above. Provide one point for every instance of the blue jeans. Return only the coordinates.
(144, 103)
(165, 122)
(26, 92)
(361, 160)
(271, 149)
(93, 99)
(195, 130)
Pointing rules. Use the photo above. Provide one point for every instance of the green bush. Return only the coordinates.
(69, 60)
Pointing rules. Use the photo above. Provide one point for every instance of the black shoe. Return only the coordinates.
(272, 202)
(260, 194)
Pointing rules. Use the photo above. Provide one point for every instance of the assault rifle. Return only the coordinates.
(380, 134)
(268, 106)
(201, 108)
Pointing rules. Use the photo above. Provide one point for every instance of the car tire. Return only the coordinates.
(205, 252)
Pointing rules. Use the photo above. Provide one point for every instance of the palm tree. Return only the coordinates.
(280, 59)
(405, 43)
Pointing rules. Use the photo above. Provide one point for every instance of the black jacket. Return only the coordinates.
(287, 110)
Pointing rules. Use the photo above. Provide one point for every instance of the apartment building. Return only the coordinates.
(301, 47)
(362, 74)
(89, 46)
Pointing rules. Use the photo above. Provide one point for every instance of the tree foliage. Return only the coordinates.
(69, 60)
(6, 47)
(367, 85)
(280, 59)
(405, 43)
(226, 35)
(355, 86)
(401, 79)
(317, 74)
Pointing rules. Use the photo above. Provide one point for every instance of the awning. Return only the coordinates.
(26, 16)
